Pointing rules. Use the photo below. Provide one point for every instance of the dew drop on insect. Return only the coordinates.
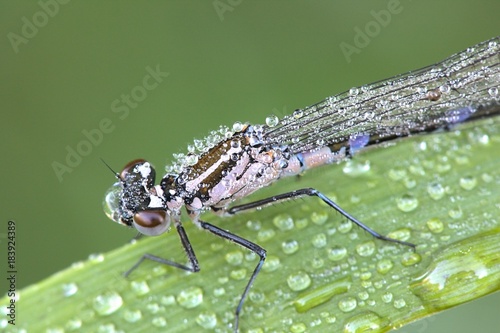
(354, 91)
(272, 121)
(493, 91)
(297, 114)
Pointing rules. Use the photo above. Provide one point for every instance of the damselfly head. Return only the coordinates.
(134, 201)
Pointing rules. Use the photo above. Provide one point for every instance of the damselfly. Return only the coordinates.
(234, 162)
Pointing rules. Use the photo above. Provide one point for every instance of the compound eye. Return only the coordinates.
(130, 167)
(151, 222)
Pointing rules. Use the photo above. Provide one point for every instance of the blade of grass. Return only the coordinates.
(438, 191)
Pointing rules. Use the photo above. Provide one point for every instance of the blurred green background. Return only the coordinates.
(66, 67)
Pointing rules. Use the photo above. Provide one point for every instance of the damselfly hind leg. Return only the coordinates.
(247, 244)
(315, 193)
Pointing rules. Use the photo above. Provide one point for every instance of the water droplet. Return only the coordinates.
(107, 303)
(297, 114)
(298, 328)
(436, 190)
(410, 259)
(153, 307)
(272, 121)
(271, 264)
(319, 218)
(73, 325)
(319, 240)
(237, 127)
(190, 297)
(407, 203)
(397, 174)
(435, 225)
(444, 88)
(317, 263)
(366, 321)
(487, 178)
(69, 289)
(365, 249)
(283, 222)
(399, 303)
(207, 320)
(132, 316)
(140, 287)
(290, 246)
(254, 225)
(106, 328)
(402, 234)
(353, 91)
(159, 322)
(265, 235)
(238, 274)
(337, 253)
(298, 281)
(363, 295)
(234, 258)
(191, 159)
(356, 168)
(384, 266)
(345, 226)
(387, 297)
(468, 183)
(493, 91)
(347, 304)
(96, 257)
(455, 213)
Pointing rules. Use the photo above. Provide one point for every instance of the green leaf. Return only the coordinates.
(322, 274)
